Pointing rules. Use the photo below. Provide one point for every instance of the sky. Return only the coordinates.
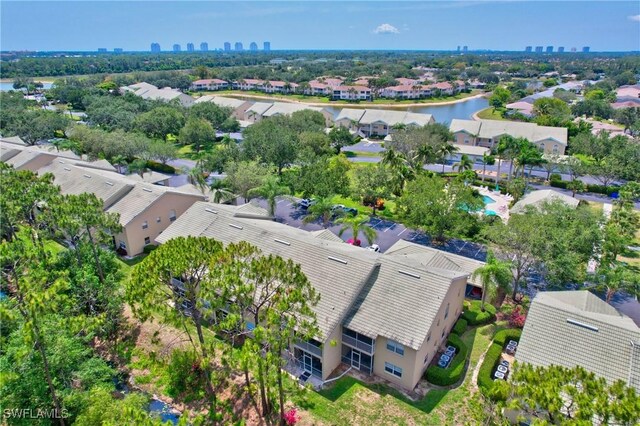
(311, 25)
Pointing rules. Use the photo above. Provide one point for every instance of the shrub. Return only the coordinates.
(185, 377)
(149, 248)
(491, 359)
(460, 326)
(448, 376)
(160, 168)
(475, 316)
(601, 189)
(503, 336)
(291, 417)
(555, 177)
(517, 317)
(559, 184)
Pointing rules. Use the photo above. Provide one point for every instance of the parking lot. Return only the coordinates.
(388, 232)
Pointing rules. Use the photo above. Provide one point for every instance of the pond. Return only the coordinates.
(6, 86)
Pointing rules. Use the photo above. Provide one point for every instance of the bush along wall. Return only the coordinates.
(450, 375)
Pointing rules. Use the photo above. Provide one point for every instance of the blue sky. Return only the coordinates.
(438, 25)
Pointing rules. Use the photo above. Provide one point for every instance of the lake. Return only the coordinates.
(5, 86)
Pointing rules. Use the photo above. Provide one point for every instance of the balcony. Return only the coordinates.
(315, 372)
(359, 344)
(310, 348)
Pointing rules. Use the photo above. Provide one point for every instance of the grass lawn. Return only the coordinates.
(490, 114)
(350, 401)
(352, 154)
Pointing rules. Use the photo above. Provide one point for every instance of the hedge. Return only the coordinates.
(597, 189)
(460, 326)
(475, 316)
(491, 359)
(160, 168)
(448, 376)
(149, 248)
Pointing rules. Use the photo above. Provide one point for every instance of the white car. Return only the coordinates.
(374, 247)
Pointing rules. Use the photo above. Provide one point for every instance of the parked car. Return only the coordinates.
(342, 209)
(374, 247)
(305, 203)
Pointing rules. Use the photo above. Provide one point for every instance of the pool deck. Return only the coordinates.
(500, 203)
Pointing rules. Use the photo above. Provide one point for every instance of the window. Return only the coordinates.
(145, 224)
(396, 347)
(426, 358)
(147, 240)
(172, 215)
(158, 219)
(393, 369)
(428, 337)
(466, 141)
(438, 322)
(122, 245)
(446, 311)
(442, 335)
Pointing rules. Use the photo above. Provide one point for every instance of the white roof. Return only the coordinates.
(222, 101)
(287, 108)
(352, 114)
(259, 108)
(390, 117)
(537, 198)
(496, 128)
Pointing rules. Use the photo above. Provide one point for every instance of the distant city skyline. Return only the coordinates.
(85, 26)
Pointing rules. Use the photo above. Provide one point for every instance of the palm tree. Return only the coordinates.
(465, 163)
(397, 164)
(494, 272)
(445, 150)
(119, 161)
(322, 209)
(423, 155)
(270, 190)
(220, 191)
(357, 224)
(487, 160)
(139, 166)
(197, 178)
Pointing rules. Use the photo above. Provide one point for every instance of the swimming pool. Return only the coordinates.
(487, 200)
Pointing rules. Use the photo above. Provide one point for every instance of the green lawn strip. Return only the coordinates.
(352, 154)
(490, 114)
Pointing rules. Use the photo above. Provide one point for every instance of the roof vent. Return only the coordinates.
(583, 325)
(233, 225)
(147, 189)
(109, 183)
(286, 243)
(411, 274)
(87, 176)
(60, 161)
(335, 259)
(210, 210)
(67, 169)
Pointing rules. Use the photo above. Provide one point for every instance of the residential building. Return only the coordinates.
(538, 49)
(248, 84)
(487, 133)
(316, 88)
(190, 47)
(406, 92)
(275, 86)
(549, 49)
(253, 46)
(118, 50)
(381, 123)
(528, 49)
(560, 49)
(227, 46)
(576, 328)
(239, 107)
(288, 108)
(155, 47)
(204, 46)
(267, 46)
(540, 197)
(349, 118)
(145, 209)
(351, 93)
(210, 84)
(379, 314)
(255, 112)
(586, 49)
(167, 94)
(238, 46)
(465, 49)
(177, 48)
(102, 50)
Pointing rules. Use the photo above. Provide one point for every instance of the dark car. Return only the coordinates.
(305, 203)
(341, 209)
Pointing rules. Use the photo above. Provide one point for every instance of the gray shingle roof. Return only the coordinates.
(571, 328)
(326, 234)
(286, 108)
(496, 128)
(537, 198)
(350, 114)
(390, 117)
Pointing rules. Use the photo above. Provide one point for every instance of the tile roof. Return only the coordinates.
(350, 114)
(13, 140)
(391, 117)
(571, 328)
(537, 198)
(223, 101)
(287, 108)
(496, 128)
(259, 108)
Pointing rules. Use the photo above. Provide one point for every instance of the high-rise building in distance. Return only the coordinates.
(465, 49)
(549, 49)
(253, 46)
(538, 49)
(458, 49)
(227, 46)
(266, 46)
(102, 50)
(190, 47)
(204, 46)
(573, 49)
(155, 47)
(118, 50)
(238, 46)
(528, 49)
(177, 48)
(586, 49)
(560, 49)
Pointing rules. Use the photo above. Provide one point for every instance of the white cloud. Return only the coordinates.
(386, 29)
(634, 18)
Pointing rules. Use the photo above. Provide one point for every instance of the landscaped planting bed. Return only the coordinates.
(450, 375)
(492, 357)
(475, 316)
